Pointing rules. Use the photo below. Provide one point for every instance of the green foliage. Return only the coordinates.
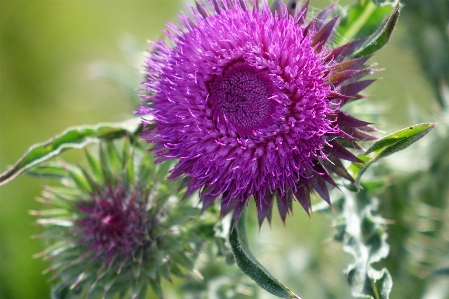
(72, 138)
(416, 202)
(217, 281)
(380, 37)
(365, 239)
(363, 19)
(158, 242)
(249, 264)
(389, 145)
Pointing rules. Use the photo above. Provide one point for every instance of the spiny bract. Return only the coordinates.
(115, 227)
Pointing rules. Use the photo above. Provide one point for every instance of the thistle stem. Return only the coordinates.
(358, 24)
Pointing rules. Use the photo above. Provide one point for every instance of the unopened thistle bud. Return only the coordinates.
(112, 229)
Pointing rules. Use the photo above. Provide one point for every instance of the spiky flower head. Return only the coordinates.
(248, 99)
(114, 228)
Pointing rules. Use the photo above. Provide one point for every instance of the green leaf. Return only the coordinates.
(128, 162)
(75, 137)
(362, 20)
(181, 259)
(164, 270)
(113, 156)
(249, 264)
(94, 164)
(365, 239)
(380, 37)
(391, 144)
(368, 287)
(81, 181)
(54, 170)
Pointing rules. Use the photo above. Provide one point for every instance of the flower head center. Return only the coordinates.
(242, 97)
(114, 225)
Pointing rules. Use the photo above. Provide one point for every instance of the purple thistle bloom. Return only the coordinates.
(248, 99)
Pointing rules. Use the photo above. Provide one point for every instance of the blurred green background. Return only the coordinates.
(51, 53)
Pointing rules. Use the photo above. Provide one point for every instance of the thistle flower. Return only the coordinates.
(113, 229)
(248, 99)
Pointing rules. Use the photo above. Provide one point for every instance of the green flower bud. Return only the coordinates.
(116, 227)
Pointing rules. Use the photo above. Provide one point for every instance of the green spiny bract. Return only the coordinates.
(115, 227)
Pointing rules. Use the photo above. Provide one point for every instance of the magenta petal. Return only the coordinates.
(303, 13)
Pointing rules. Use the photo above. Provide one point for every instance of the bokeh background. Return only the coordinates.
(53, 59)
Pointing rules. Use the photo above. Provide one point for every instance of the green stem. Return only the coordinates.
(375, 291)
(250, 265)
(357, 25)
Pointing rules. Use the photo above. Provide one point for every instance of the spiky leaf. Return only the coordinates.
(365, 239)
(391, 144)
(380, 37)
(75, 137)
(362, 19)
